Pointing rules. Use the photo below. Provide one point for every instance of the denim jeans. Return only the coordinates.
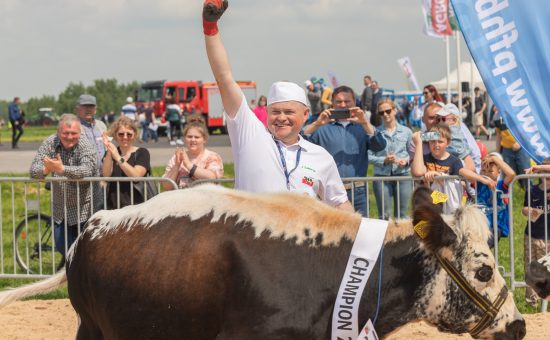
(59, 236)
(518, 161)
(359, 200)
(386, 194)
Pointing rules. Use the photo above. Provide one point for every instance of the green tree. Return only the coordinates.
(67, 99)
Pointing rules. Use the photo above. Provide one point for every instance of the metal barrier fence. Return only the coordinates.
(28, 249)
(27, 221)
(541, 210)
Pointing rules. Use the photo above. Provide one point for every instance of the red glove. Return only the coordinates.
(212, 10)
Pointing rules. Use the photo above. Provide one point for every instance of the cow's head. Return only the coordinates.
(461, 240)
(538, 276)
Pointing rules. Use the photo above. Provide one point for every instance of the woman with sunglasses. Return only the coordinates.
(126, 160)
(431, 94)
(392, 161)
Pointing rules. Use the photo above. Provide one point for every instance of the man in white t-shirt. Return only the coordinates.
(129, 109)
(276, 159)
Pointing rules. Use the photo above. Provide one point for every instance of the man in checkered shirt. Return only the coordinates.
(65, 154)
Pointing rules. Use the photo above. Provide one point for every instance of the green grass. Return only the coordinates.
(30, 134)
(32, 190)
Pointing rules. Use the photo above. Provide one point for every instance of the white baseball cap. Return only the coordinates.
(129, 100)
(283, 91)
(449, 109)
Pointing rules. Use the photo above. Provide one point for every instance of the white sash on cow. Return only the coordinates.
(365, 251)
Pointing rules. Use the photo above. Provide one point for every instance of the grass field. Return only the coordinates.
(7, 264)
(30, 134)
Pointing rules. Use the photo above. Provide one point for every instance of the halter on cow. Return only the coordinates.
(209, 262)
(490, 309)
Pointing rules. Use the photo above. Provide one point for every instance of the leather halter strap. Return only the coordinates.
(489, 309)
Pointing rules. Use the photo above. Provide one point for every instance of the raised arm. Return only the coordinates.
(217, 56)
(418, 168)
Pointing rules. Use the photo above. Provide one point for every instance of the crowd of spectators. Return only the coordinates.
(303, 140)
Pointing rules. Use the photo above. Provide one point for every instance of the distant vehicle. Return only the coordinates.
(192, 96)
(46, 117)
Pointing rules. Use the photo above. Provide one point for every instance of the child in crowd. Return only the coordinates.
(440, 162)
(534, 206)
(493, 166)
(458, 146)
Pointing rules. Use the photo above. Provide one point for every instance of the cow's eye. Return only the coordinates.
(484, 274)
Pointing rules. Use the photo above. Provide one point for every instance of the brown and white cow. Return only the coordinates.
(212, 263)
(538, 276)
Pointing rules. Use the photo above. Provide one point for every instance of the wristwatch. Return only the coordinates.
(121, 160)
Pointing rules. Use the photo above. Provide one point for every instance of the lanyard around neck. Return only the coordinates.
(283, 163)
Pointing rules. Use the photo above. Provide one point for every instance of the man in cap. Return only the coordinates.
(91, 128)
(277, 159)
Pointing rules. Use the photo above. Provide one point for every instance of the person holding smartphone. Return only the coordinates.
(392, 161)
(346, 133)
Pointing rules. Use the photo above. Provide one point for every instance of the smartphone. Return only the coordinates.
(428, 136)
(340, 114)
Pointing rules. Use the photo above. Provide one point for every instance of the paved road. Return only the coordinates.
(19, 160)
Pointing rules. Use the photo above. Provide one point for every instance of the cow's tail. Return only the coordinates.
(39, 287)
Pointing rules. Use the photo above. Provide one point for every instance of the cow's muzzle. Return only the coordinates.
(538, 278)
(514, 331)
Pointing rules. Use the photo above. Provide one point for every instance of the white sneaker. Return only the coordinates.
(179, 142)
(173, 143)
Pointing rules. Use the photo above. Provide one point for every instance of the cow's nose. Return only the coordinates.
(537, 269)
(516, 329)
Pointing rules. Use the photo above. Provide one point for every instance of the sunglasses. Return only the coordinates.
(127, 134)
(445, 119)
(382, 112)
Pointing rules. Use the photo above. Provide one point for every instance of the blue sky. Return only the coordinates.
(47, 44)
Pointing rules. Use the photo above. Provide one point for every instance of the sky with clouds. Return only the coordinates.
(45, 45)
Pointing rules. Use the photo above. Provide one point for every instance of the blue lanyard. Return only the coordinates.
(283, 162)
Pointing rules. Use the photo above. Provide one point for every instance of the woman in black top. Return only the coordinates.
(126, 160)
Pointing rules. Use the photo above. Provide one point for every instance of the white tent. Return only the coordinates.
(465, 75)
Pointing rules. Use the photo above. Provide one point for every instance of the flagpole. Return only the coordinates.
(458, 78)
(448, 58)
(472, 85)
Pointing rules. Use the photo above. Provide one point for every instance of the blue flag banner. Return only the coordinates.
(510, 43)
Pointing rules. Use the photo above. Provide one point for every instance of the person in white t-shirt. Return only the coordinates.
(276, 158)
(129, 109)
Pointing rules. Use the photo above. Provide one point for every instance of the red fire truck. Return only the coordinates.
(192, 96)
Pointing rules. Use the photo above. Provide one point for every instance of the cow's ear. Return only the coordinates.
(423, 196)
(431, 228)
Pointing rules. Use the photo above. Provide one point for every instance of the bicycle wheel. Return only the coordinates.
(34, 251)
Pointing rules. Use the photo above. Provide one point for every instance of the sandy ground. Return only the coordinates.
(56, 319)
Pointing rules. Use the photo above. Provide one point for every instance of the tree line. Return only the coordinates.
(110, 94)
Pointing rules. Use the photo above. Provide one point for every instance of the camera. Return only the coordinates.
(340, 114)
(428, 136)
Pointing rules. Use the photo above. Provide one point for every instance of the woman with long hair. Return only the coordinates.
(261, 110)
(193, 161)
(431, 94)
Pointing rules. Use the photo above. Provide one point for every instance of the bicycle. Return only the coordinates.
(34, 251)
